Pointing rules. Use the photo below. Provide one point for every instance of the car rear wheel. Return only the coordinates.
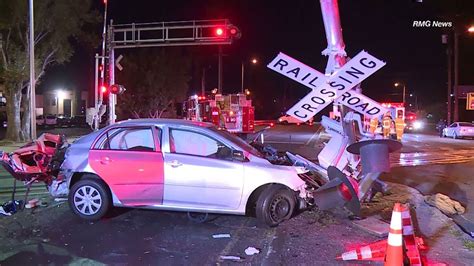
(89, 199)
(275, 205)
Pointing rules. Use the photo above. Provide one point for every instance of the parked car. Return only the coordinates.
(64, 120)
(40, 120)
(288, 119)
(459, 130)
(177, 165)
(50, 120)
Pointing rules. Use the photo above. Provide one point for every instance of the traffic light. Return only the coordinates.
(117, 89)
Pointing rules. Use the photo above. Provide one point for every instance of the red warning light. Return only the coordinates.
(219, 31)
(103, 89)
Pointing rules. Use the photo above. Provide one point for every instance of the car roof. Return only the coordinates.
(154, 121)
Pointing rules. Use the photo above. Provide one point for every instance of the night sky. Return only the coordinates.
(414, 56)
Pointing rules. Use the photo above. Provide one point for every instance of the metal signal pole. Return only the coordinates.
(32, 74)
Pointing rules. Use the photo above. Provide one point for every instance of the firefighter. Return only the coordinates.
(374, 122)
(386, 125)
(399, 126)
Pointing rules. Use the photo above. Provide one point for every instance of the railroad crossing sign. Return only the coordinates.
(326, 89)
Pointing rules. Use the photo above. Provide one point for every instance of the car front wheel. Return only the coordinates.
(275, 205)
(89, 199)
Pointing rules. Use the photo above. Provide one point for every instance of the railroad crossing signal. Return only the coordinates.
(326, 89)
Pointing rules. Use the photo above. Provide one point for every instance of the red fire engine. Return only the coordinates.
(234, 112)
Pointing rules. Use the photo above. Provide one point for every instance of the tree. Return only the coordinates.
(155, 79)
(57, 23)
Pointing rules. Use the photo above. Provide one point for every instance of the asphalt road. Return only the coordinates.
(426, 162)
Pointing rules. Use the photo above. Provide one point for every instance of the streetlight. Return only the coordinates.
(397, 84)
(253, 61)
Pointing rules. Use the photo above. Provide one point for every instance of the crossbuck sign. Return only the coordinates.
(326, 89)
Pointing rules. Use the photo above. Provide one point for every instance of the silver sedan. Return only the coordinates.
(459, 130)
(176, 165)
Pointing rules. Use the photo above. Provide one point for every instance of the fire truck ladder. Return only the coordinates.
(178, 33)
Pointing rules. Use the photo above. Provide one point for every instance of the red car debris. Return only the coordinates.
(36, 161)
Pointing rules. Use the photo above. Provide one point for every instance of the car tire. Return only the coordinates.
(95, 195)
(275, 205)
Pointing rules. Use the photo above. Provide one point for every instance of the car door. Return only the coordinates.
(200, 172)
(130, 161)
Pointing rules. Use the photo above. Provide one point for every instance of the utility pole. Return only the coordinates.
(219, 71)
(203, 82)
(32, 74)
(456, 75)
(242, 86)
(449, 52)
(112, 96)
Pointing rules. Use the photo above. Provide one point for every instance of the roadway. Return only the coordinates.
(426, 162)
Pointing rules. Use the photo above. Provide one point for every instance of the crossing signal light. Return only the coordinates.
(117, 89)
(234, 32)
(103, 89)
(219, 32)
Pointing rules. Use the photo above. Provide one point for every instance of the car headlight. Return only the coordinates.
(417, 125)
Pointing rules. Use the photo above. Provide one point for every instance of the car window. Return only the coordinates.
(130, 139)
(453, 125)
(237, 141)
(193, 143)
(464, 124)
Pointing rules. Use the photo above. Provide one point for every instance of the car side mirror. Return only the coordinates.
(239, 156)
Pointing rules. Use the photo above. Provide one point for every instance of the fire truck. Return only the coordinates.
(233, 112)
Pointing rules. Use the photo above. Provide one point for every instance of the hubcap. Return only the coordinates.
(87, 200)
(279, 208)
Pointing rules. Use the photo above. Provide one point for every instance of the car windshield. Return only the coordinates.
(238, 142)
(465, 124)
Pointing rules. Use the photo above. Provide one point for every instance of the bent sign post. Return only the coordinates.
(326, 89)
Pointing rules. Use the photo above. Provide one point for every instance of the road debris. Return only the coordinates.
(445, 204)
(221, 236)
(251, 251)
(60, 199)
(32, 203)
(236, 258)
(10, 207)
(3, 212)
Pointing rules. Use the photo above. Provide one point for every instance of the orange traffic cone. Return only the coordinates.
(373, 252)
(394, 252)
(411, 243)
